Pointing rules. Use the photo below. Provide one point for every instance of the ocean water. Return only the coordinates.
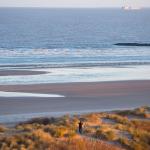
(74, 45)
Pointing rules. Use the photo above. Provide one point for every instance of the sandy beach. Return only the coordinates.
(79, 97)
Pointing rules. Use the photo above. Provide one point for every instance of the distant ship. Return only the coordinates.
(130, 8)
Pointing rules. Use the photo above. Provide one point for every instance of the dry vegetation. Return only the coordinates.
(62, 134)
(2, 128)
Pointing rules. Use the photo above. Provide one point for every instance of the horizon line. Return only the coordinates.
(66, 7)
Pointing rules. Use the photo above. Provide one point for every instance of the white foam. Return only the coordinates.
(86, 74)
(117, 51)
(20, 94)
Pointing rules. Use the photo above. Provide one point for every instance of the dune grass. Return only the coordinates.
(2, 128)
(62, 133)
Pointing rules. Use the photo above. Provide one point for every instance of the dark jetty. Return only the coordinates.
(132, 44)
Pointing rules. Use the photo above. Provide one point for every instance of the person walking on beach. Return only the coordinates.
(80, 127)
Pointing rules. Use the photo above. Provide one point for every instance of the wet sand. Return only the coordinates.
(97, 96)
(20, 72)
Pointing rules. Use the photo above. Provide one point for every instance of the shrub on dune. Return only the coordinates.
(89, 130)
(141, 124)
(41, 135)
(84, 144)
(141, 112)
(2, 128)
(56, 131)
(110, 135)
(124, 141)
(118, 118)
(92, 117)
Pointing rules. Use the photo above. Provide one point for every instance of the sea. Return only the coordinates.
(74, 45)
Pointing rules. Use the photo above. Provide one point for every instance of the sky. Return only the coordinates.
(74, 3)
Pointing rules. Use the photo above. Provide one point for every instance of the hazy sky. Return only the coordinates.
(74, 3)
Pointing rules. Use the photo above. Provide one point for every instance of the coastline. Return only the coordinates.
(90, 96)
